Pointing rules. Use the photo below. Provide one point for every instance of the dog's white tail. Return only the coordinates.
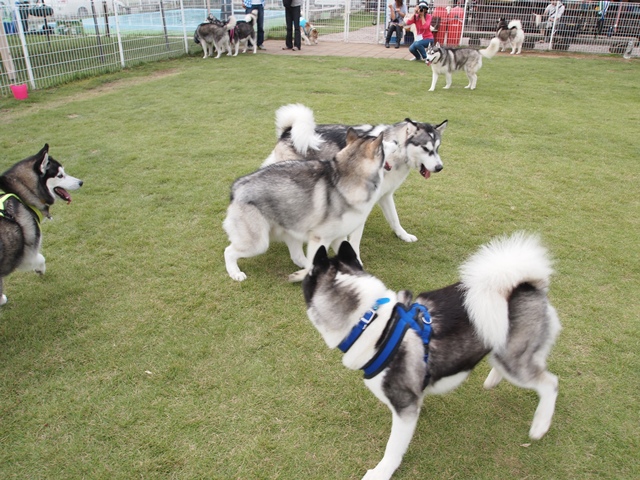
(303, 127)
(515, 23)
(231, 24)
(490, 276)
(492, 49)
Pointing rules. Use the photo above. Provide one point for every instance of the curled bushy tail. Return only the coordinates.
(492, 49)
(231, 24)
(490, 276)
(300, 120)
(515, 24)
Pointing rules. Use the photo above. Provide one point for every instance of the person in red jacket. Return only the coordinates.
(423, 36)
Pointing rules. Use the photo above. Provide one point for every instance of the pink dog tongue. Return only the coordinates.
(63, 194)
(424, 172)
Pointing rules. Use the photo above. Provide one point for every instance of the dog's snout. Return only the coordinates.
(439, 167)
(80, 183)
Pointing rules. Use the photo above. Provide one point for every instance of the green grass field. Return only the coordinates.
(136, 356)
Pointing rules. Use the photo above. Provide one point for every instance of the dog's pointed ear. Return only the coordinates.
(352, 136)
(440, 128)
(321, 258)
(43, 159)
(347, 255)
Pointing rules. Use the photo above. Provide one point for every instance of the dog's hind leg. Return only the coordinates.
(388, 206)
(248, 233)
(473, 79)
(402, 429)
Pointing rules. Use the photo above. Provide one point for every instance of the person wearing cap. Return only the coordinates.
(424, 36)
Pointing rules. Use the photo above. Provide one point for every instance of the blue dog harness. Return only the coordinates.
(416, 318)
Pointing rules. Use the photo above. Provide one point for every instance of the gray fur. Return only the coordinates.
(456, 346)
(215, 34)
(316, 202)
(448, 60)
(37, 181)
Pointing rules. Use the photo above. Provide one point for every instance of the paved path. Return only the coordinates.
(339, 49)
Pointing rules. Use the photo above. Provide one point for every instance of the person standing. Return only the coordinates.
(423, 37)
(249, 6)
(292, 19)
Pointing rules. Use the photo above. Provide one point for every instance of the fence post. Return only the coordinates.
(95, 24)
(164, 25)
(117, 18)
(25, 50)
(5, 56)
(347, 20)
(184, 28)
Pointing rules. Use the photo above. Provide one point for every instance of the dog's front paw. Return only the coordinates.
(238, 276)
(3, 299)
(432, 89)
(298, 276)
(41, 266)
(407, 237)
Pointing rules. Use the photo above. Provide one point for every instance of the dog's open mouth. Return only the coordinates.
(424, 172)
(63, 194)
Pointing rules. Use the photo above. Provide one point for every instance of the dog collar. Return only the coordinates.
(418, 319)
(3, 212)
(368, 317)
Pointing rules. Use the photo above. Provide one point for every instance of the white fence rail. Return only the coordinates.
(45, 44)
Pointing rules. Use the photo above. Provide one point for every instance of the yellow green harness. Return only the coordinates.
(5, 214)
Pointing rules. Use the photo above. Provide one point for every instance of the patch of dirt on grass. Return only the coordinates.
(8, 115)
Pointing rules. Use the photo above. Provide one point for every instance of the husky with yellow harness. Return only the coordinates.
(28, 189)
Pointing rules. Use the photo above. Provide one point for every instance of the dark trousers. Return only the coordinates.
(292, 19)
(260, 22)
(394, 28)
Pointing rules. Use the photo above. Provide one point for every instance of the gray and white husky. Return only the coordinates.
(510, 35)
(245, 33)
(215, 34)
(448, 60)
(318, 202)
(410, 348)
(416, 143)
(28, 189)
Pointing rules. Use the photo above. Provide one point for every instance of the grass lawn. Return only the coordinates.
(136, 356)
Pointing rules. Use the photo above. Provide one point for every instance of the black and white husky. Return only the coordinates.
(28, 189)
(215, 34)
(245, 33)
(409, 348)
(448, 60)
(416, 143)
(510, 35)
(316, 201)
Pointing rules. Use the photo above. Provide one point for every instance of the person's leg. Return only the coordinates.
(420, 44)
(297, 43)
(289, 21)
(398, 35)
(390, 31)
(260, 25)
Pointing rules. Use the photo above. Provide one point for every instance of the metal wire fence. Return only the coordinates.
(46, 44)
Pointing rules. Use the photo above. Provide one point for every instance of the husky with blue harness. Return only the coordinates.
(28, 189)
(409, 348)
